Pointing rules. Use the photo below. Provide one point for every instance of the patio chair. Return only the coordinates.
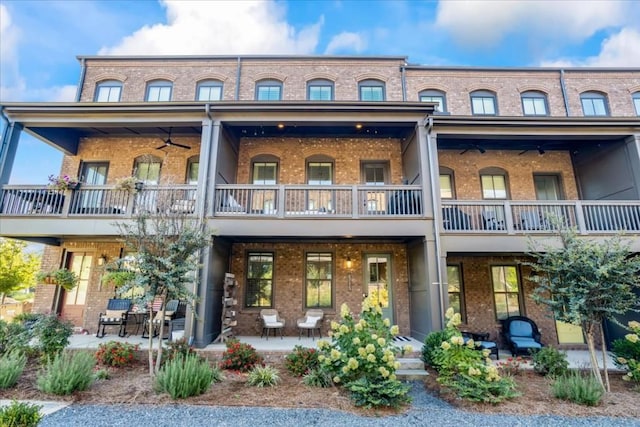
(271, 320)
(520, 334)
(174, 310)
(482, 342)
(311, 321)
(114, 315)
(491, 221)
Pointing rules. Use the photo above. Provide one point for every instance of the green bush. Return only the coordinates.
(317, 378)
(11, 367)
(175, 348)
(362, 355)
(301, 361)
(14, 336)
(550, 361)
(261, 376)
(116, 353)
(53, 335)
(186, 376)
(240, 356)
(67, 372)
(20, 414)
(432, 345)
(578, 388)
(627, 353)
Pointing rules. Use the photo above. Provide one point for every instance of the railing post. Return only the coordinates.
(281, 200)
(131, 197)
(508, 217)
(355, 204)
(582, 225)
(66, 204)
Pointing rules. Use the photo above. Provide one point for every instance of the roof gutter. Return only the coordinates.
(403, 81)
(83, 73)
(563, 87)
(236, 96)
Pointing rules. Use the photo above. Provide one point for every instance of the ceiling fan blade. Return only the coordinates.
(161, 147)
(179, 145)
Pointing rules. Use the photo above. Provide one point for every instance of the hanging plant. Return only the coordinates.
(63, 277)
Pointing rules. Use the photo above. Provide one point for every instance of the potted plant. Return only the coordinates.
(63, 182)
(63, 277)
(130, 184)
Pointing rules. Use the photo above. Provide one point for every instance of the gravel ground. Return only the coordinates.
(425, 410)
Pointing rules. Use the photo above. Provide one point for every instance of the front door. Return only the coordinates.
(93, 173)
(73, 301)
(378, 282)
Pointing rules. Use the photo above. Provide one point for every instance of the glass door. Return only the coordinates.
(378, 283)
(73, 301)
(93, 173)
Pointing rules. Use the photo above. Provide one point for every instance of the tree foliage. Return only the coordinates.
(165, 264)
(585, 282)
(17, 268)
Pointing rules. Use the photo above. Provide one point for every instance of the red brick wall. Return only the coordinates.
(288, 292)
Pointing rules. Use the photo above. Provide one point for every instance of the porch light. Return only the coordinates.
(280, 126)
(102, 260)
(359, 126)
(349, 265)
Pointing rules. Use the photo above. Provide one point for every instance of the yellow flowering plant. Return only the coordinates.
(627, 352)
(362, 357)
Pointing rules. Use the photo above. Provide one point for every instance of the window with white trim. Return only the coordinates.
(108, 91)
(534, 103)
(483, 103)
(159, 91)
(506, 290)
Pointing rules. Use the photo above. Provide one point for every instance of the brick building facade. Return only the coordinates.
(429, 181)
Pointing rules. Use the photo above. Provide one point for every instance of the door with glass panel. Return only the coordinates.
(377, 280)
(93, 173)
(320, 173)
(374, 175)
(73, 301)
(263, 200)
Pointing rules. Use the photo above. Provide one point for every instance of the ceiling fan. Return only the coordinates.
(169, 143)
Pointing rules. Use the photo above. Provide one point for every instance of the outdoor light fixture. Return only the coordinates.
(349, 265)
(103, 259)
(359, 126)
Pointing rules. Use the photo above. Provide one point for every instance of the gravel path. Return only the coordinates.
(426, 410)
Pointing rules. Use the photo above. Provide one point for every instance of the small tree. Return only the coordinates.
(17, 268)
(166, 262)
(585, 282)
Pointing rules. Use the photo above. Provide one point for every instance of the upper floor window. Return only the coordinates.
(269, 90)
(108, 91)
(209, 90)
(494, 183)
(320, 173)
(147, 169)
(371, 90)
(435, 96)
(193, 166)
(483, 103)
(159, 91)
(320, 90)
(446, 183)
(636, 102)
(594, 104)
(265, 173)
(534, 103)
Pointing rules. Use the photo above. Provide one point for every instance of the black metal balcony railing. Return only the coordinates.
(513, 217)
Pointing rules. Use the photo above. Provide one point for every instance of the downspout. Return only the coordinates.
(436, 219)
(239, 66)
(563, 87)
(201, 193)
(4, 144)
(83, 73)
(403, 81)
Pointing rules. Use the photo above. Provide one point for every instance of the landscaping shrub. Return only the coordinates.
(175, 348)
(432, 344)
(627, 352)
(11, 367)
(301, 361)
(317, 378)
(67, 372)
(52, 334)
(550, 361)
(578, 388)
(467, 371)
(261, 376)
(20, 414)
(14, 336)
(362, 357)
(240, 356)
(186, 376)
(512, 366)
(116, 353)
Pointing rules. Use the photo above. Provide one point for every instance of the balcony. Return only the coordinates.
(530, 217)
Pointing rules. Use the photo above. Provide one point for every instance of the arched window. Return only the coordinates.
(320, 90)
(636, 102)
(534, 103)
(437, 96)
(269, 90)
(594, 104)
(159, 91)
(108, 91)
(371, 90)
(147, 169)
(494, 183)
(447, 188)
(484, 103)
(209, 90)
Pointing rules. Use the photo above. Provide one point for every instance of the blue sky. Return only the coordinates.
(39, 40)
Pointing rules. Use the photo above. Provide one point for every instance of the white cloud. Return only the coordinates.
(619, 50)
(487, 22)
(220, 27)
(346, 42)
(9, 37)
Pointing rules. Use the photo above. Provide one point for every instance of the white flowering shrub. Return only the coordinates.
(362, 357)
(627, 352)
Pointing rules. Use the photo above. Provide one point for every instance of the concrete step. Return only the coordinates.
(411, 363)
(411, 369)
